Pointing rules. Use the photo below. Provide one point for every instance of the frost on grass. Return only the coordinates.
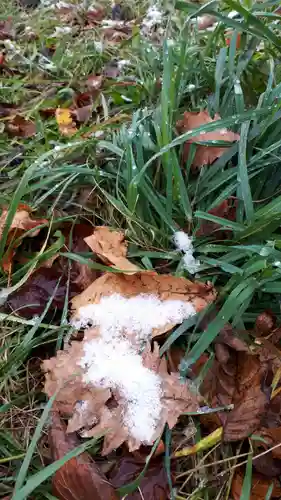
(183, 243)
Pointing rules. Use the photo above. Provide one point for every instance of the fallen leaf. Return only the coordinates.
(31, 298)
(117, 34)
(94, 82)
(18, 126)
(111, 247)
(226, 210)
(79, 477)
(265, 322)
(7, 30)
(162, 286)
(270, 464)
(204, 155)
(236, 379)
(65, 122)
(154, 484)
(101, 411)
(83, 114)
(259, 489)
(21, 223)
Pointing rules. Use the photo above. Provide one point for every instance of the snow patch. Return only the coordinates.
(113, 360)
(138, 316)
(183, 243)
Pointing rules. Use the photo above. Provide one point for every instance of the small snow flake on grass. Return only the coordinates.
(183, 243)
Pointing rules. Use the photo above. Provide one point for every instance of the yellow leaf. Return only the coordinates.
(203, 444)
(65, 122)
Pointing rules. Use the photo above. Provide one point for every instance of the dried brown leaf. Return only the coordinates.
(80, 477)
(236, 379)
(154, 484)
(63, 373)
(205, 155)
(94, 410)
(226, 210)
(163, 286)
(21, 223)
(18, 126)
(111, 247)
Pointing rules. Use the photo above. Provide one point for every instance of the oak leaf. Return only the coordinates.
(204, 155)
(162, 286)
(21, 223)
(65, 122)
(79, 477)
(100, 411)
(111, 247)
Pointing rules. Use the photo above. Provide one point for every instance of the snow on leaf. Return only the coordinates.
(163, 287)
(111, 247)
(92, 408)
(205, 155)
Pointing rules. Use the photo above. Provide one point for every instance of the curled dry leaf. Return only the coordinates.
(21, 223)
(100, 411)
(154, 484)
(236, 379)
(80, 477)
(265, 322)
(18, 126)
(65, 122)
(111, 247)
(162, 286)
(259, 489)
(205, 155)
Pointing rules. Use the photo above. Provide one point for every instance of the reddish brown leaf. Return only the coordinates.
(265, 322)
(226, 210)
(83, 115)
(21, 223)
(205, 155)
(236, 379)
(80, 477)
(18, 126)
(260, 487)
(6, 29)
(153, 486)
